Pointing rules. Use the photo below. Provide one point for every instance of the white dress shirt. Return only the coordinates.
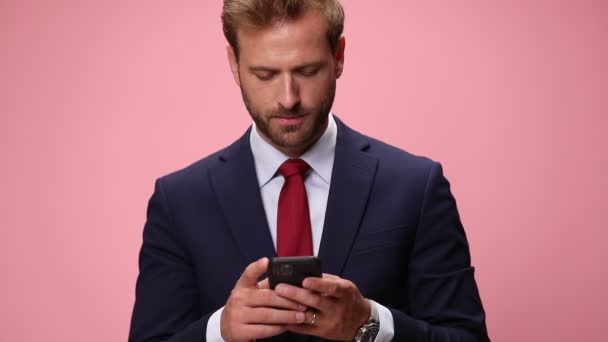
(320, 157)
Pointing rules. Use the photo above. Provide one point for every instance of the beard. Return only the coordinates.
(293, 137)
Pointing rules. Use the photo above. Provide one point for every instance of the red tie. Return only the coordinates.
(294, 237)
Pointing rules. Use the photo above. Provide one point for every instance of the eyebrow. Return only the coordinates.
(317, 64)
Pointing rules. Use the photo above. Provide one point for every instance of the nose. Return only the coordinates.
(290, 93)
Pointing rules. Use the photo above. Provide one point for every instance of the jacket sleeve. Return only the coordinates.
(167, 302)
(444, 302)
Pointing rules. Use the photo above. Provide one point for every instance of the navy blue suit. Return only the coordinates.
(391, 227)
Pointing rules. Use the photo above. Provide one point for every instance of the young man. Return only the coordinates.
(300, 182)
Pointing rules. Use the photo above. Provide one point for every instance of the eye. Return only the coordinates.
(264, 76)
(309, 72)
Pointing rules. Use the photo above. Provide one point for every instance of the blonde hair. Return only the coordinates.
(257, 14)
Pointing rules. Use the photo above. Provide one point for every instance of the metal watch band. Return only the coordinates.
(369, 330)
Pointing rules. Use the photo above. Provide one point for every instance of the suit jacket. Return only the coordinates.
(391, 227)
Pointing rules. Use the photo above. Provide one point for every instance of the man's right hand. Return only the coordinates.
(253, 311)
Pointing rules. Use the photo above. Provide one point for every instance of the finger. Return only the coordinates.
(264, 284)
(273, 316)
(269, 298)
(252, 273)
(331, 276)
(308, 327)
(302, 296)
(327, 286)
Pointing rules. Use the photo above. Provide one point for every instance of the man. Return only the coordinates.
(384, 223)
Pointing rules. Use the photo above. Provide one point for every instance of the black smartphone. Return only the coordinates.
(293, 270)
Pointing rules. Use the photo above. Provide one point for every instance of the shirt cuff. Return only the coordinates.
(214, 332)
(387, 325)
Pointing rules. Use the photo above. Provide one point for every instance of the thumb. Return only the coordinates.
(252, 273)
(264, 284)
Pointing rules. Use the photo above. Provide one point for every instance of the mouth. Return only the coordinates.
(289, 120)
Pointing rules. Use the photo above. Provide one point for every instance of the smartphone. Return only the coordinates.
(293, 270)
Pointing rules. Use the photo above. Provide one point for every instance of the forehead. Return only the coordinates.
(285, 42)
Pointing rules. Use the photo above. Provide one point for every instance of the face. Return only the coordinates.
(287, 74)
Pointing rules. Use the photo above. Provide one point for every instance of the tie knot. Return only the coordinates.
(293, 166)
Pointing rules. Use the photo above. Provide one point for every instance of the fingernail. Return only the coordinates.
(300, 316)
(280, 289)
(302, 307)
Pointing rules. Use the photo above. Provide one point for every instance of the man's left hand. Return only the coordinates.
(339, 306)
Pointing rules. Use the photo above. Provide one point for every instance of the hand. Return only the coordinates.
(253, 311)
(340, 308)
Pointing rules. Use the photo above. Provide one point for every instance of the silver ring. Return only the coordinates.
(314, 318)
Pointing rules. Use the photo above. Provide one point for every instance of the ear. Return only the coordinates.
(234, 64)
(340, 56)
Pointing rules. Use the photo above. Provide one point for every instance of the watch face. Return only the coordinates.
(370, 334)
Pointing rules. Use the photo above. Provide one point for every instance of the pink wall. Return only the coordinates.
(98, 98)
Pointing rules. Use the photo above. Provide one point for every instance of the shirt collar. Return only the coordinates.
(319, 156)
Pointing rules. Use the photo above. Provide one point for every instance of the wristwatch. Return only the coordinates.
(369, 329)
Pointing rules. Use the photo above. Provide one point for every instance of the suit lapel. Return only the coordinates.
(236, 187)
(351, 181)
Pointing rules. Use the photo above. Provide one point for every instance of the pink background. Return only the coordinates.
(98, 98)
